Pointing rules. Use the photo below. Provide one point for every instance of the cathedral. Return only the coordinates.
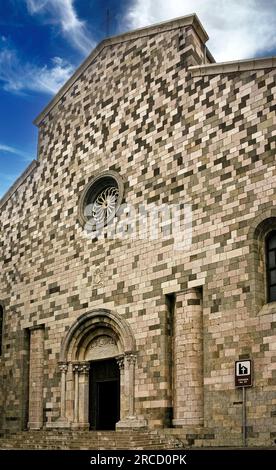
(138, 251)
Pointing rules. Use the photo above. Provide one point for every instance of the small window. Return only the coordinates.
(1, 328)
(271, 266)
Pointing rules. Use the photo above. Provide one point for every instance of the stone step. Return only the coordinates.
(94, 440)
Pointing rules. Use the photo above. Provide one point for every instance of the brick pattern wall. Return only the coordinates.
(205, 141)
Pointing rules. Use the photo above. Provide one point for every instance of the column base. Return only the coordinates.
(82, 426)
(131, 422)
(34, 426)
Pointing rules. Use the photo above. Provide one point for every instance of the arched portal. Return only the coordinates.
(97, 362)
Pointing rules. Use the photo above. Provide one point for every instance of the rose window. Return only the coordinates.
(104, 205)
(101, 199)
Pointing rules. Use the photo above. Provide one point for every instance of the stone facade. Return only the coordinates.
(152, 106)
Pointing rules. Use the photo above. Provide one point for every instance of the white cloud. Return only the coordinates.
(63, 13)
(18, 77)
(8, 149)
(237, 29)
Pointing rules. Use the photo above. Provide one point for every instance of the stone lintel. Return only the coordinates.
(37, 327)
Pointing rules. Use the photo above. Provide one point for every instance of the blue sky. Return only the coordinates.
(43, 41)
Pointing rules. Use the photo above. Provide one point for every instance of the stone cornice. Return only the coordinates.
(234, 66)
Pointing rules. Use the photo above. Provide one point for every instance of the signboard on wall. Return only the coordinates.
(243, 373)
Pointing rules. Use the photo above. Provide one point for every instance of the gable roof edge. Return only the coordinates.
(189, 20)
(18, 182)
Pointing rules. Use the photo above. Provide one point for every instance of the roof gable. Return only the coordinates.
(189, 20)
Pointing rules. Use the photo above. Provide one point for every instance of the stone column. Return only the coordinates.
(75, 368)
(129, 419)
(188, 359)
(36, 377)
(121, 363)
(63, 366)
(131, 360)
(84, 394)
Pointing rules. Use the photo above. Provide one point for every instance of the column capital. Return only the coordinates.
(81, 367)
(63, 366)
(121, 361)
(131, 357)
(75, 367)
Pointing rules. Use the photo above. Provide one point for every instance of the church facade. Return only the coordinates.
(138, 252)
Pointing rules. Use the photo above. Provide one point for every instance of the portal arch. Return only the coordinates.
(97, 335)
(90, 325)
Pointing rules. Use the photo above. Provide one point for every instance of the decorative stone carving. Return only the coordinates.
(63, 366)
(81, 367)
(84, 368)
(98, 276)
(131, 358)
(102, 347)
(75, 367)
(102, 341)
(121, 362)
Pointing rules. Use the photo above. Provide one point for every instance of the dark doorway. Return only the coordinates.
(104, 394)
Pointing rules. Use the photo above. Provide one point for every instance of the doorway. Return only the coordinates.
(104, 394)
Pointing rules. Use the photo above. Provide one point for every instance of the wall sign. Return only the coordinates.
(243, 373)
